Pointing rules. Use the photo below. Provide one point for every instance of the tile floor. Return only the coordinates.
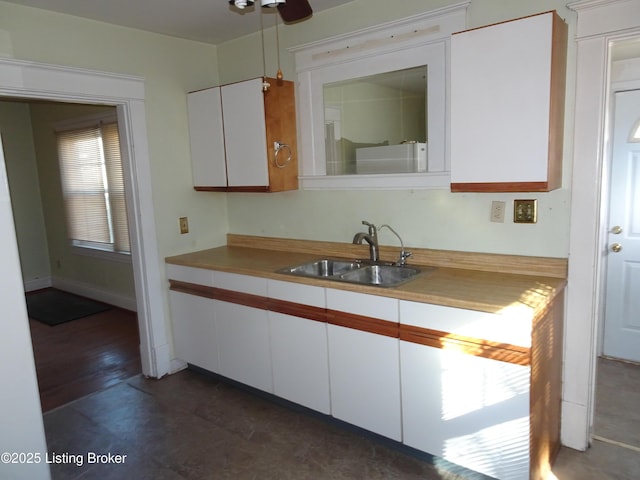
(191, 426)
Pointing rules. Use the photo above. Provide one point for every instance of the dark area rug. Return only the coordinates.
(54, 307)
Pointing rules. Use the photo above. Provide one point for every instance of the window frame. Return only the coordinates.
(81, 247)
(414, 41)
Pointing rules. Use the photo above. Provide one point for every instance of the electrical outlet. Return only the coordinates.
(184, 225)
(497, 211)
(525, 211)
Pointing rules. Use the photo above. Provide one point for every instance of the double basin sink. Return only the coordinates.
(380, 274)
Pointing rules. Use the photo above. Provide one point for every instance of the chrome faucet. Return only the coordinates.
(371, 238)
(403, 253)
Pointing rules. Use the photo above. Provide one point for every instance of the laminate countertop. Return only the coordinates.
(476, 281)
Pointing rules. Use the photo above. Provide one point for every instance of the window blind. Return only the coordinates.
(93, 187)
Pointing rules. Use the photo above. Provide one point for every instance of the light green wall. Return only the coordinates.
(430, 219)
(170, 68)
(22, 173)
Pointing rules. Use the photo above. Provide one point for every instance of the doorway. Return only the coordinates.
(621, 336)
(79, 357)
(34, 81)
(617, 389)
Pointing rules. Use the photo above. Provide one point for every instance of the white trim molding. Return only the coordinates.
(599, 23)
(31, 80)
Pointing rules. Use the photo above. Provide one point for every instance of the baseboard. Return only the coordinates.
(37, 283)
(574, 429)
(95, 293)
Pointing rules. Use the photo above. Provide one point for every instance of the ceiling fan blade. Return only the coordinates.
(295, 11)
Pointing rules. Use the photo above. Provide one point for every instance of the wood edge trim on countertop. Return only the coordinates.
(486, 262)
(471, 346)
(423, 336)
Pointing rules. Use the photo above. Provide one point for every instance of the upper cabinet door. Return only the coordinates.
(507, 105)
(245, 133)
(207, 138)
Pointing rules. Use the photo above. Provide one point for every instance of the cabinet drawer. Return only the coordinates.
(198, 276)
(241, 283)
(297, 293)
(513, 329)
(383, 308)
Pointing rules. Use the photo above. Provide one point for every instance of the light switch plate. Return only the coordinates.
(525, 211)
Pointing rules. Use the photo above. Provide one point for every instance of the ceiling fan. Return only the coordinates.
(291, 11)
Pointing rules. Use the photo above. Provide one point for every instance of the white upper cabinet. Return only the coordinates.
(233, 132)
(244, 123)
(507, 105)
(207, 138)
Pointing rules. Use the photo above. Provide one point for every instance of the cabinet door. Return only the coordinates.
(507, 105)
(300, 361)
(365, 380)
(243, 345)
(245, 133)
(469, 410)
(207, 138)
(194, 332)
(299, 356)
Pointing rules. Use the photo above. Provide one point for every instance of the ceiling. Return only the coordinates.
(209, 21)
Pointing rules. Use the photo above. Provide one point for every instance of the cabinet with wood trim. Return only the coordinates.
(299, 353)
(364, 368)
(479, 389)
(507, 105)
(491, 402)
(243, 138)
(242, 329)
(193, 320)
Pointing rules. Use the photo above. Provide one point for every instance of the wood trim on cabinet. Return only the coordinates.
(191, 289)
(253, 189)
(317, 314)
(241, 298)
(503, 352)
(501, 187)
(364, 324)
(546, 388)
(423, 336)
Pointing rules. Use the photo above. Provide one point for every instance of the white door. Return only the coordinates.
(622, 308)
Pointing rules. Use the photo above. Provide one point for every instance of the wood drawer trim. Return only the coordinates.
(503, 352)
(502, 187)
(191, 289)
(364, 324)
(256, 189)
(317, 314)
(423, 336)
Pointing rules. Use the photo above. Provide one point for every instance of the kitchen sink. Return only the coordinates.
(325, 267)
(354, 271)
(383, 275)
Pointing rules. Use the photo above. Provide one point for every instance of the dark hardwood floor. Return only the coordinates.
(84, 356)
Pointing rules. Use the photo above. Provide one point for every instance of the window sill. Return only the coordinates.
(101, 254)
(398, 181)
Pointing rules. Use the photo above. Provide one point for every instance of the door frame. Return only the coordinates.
(599, 23)
(37, 81)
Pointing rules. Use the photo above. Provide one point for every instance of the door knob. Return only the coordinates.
(616, 247)
(617, 230)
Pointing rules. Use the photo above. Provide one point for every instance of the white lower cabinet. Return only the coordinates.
(299, 356)
(300, 361)
(469, 410)
(194, 330)
(365, 380)
(243, 345)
